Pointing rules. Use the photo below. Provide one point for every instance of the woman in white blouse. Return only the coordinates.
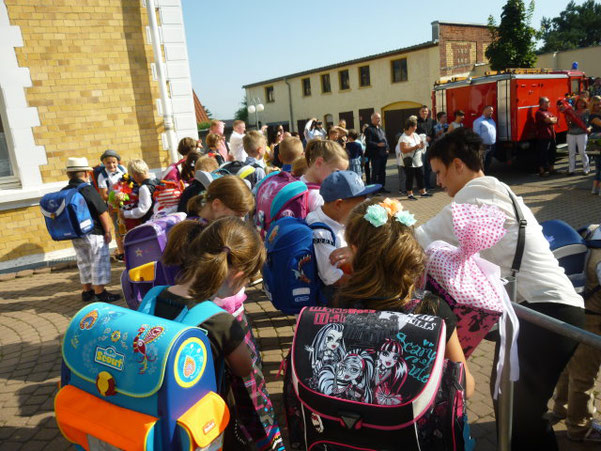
(541, 283)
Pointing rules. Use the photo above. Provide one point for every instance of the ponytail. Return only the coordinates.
(177, 249)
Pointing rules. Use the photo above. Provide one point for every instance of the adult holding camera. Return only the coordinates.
(314, 130)
(376, 147)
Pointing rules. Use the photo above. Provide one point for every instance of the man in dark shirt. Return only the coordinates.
(545, 138)
(425, 126)
(376, 149)
(92, 250)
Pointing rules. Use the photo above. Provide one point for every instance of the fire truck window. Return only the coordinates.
(576, 85)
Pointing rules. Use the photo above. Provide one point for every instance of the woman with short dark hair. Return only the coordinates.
(411, 148)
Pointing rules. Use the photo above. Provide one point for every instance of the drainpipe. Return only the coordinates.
(292, 124)
(165, 100)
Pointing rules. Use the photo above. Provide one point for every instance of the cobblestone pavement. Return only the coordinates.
(35, 311)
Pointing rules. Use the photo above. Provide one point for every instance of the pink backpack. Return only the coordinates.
(281, 194)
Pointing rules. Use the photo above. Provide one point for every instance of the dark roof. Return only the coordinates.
(423, 45)
(461, 24)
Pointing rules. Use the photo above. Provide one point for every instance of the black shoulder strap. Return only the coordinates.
(522, 223)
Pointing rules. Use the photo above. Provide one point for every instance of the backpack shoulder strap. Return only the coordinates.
(289, 191)
(81, 185)
(122, 168)
(200, 313)
(324, 226)
(149, 302)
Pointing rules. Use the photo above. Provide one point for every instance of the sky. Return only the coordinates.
(237, 42)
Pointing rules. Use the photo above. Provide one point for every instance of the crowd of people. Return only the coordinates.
(216, 185)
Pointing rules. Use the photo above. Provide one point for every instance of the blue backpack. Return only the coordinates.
(136, 381)
(66, 213)
(290, 275)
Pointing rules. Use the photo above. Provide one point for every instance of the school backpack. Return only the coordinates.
(570, 249)
(373, 380)
(242, 170)
(133, 381)
(166, 196)
(278, 195)
(101, 169)
(290, 277)
(146, 242)
(66, 214)
(138, 281)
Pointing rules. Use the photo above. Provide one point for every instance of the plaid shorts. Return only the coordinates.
(93, 259)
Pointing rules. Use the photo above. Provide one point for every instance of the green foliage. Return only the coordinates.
(204, 125)
(513, 40)
(209, 114)
(576, 26)
(242, 112)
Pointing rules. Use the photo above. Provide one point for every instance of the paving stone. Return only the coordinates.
(34, 445)
(7, 276)
(44, 270)
(10, 446)
(24, 273)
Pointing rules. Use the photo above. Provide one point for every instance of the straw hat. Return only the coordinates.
(75, 164)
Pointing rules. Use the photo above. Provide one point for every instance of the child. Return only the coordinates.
(106, 179)
(355, 152)
(323, 157)
(291, 149)
(441, 126)
(217, 262)
(226, 196)
(237, 152)
(254, 145)
(185, 146)
(341, 192)
(213, 143)
(141, 211)
(92, 250)
(189, 167)
(202, 179)
(388, 264)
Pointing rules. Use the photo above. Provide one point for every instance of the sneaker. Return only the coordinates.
(593, 434)
(402, 193)
(87, 296)
(595, 190)
(105, 296)
(426, 195)
(411, 197)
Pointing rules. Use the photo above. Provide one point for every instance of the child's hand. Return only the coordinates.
(341, 257)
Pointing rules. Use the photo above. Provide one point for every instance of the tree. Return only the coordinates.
(513, 40)
(576, 26)
(242, 112)
(208, 112)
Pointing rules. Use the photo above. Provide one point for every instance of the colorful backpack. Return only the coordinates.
(166, 196)
(373, 380)
(280, 194)
(138, 281)
(66, 214)
(133, 381)
(290, 277)
(146, 242)
(244, 171)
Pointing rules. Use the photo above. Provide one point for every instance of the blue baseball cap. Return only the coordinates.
(345, 185)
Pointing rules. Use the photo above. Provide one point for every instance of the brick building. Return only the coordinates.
(395, 83)
(79, 77)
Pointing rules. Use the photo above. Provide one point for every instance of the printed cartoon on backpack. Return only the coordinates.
(364, 378)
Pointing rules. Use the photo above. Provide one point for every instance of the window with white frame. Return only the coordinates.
(6, 165)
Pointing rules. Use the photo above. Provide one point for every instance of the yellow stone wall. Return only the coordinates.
(24, 233)
(92, 83)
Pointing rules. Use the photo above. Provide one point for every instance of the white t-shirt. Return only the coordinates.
(314, 199)
(237, 148)
(323, 245)
(108, 182)
(412, 141)
(540, 278)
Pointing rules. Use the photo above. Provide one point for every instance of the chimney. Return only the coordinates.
(435, 31)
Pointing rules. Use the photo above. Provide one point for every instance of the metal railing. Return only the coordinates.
(505, 406)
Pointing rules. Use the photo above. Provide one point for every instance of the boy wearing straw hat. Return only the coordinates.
(92, 250)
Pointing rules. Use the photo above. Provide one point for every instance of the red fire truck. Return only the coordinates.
(514, 94)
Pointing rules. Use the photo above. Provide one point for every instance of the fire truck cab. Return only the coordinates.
(514, 95)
